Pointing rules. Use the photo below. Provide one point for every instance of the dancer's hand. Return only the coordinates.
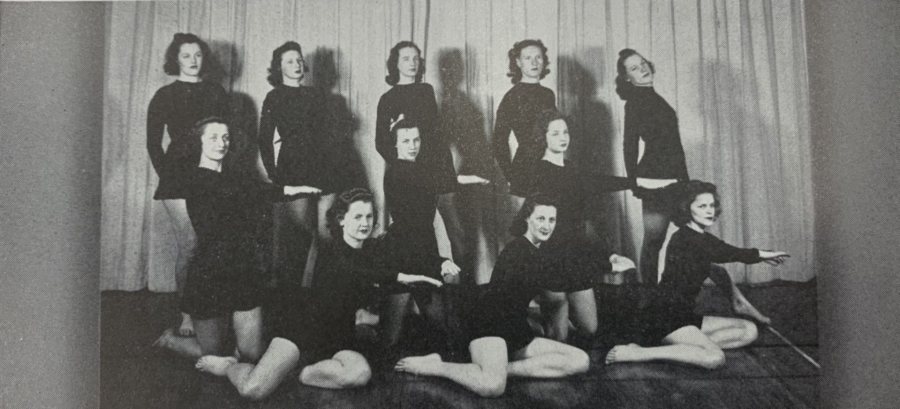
(414, 278)
(450, 271)
(621, 264)
(773, 257)
(471, 180)
(648, 183)
(301, 190)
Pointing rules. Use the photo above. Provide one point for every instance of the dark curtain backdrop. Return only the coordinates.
(735, 71)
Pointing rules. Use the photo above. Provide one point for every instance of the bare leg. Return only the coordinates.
(742, 306)
(729, 333)
(187, 347)
(443, 239)
(210, 334)
(296, 238)
(248, 333)
(655, 225)
(260, 380)
(546, 358)
(485, 375)
(687, 345)
(321, 233)
(555, 311)
(185, 241)
(583, 311)
(346, 369)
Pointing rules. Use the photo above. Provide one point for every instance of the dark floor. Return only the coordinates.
(767, 374)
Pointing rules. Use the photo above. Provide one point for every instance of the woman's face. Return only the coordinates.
(531, 62)
(292, 65)
(215, 141)
(541, 223)
(408, 143)
(190, 59)
(638, 70)
(358, 221)
(703, 210)
(557, 136)
(408, 63)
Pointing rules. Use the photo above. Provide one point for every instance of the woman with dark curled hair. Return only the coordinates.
(174, 109)
(298, 157)
(669, 328)
(222, 279)
(317, 332)
(528, 65)
(650, 118)
(501, 343)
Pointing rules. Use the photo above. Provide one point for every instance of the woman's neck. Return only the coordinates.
(352, 242)
(534, 241)
(696, 227)
(188, 78)
(291, 82)
(556, 158)
(404, 80)
(210, 164)
(529, 80)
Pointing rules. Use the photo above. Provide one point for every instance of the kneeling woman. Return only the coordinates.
(221, 278)
(670, 329)
(501, 343)
(323, 327)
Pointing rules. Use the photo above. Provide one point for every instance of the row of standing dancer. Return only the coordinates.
(550, 258)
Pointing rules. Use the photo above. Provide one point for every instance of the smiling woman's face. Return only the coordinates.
(215, 141)
(541, 223)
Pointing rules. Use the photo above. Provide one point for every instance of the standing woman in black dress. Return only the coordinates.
(669, 328)
(222, 281)
(650, 118)
(298, 113)
(174, 109)
(517, 112)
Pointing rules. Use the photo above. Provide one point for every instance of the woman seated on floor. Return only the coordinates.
(222, 281)
(320, 329)
(502, 343)
(670, 330)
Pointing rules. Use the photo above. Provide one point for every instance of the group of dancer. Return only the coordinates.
(362, 263)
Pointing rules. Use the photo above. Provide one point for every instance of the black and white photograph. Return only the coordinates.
(449, 204)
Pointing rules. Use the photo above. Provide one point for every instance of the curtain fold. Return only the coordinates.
(734, 71)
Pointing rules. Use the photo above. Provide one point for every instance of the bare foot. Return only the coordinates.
(216, 365)
(623, 353)
(186, 329)
(418, 365)
(743, 307)
(165, 339)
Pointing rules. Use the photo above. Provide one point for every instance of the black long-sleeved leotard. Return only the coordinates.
(225, 211)
(298, 114)
(175, 108)
(517, 112)
(649, 117)
(417, 102)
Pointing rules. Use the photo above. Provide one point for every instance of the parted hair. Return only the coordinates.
(520, 224)
(340, 206)
(393, 76)
(170, 66)
(515, 74)
(687, 192)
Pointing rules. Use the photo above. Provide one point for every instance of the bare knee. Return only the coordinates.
(578, 362)
(356, 376)
(713, 359)
(252, 389)
(491, 386)
(751, 332)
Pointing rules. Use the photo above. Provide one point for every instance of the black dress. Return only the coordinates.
(517, 113)
(416, 102)
(500, 308)
(689, 259)
(299, 115)
(580, 262)
(225, 211)
(649, 117)
(176, 108)
(411, 242)
(322, 319)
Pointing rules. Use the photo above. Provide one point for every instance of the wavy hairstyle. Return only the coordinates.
(515, 74)
(393, 76)
(520, 224)
(623, 87)
(542, 124)
(687, 192)
(170, 66)
(340, 206)
(275, 75)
